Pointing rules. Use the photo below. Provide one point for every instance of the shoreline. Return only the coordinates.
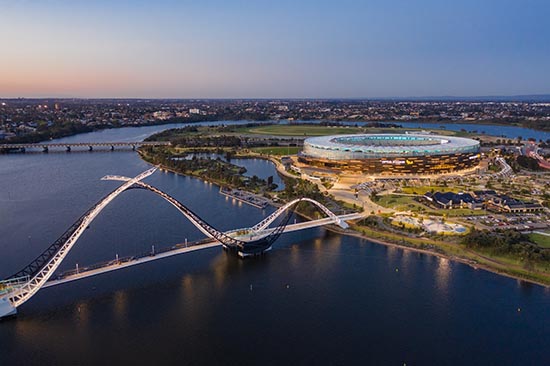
(354, 233)
(484, 123)
(467, 262)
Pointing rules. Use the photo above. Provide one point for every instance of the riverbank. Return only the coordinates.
(444, 250)
(450, 251)
(480, 124)
(454, 253)
(498, 262)
(470, 262)
(45, 136)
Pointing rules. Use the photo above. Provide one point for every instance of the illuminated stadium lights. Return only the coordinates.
(391, 153)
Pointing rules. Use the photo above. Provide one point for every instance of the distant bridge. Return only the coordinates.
(68, 146)
(20, 287)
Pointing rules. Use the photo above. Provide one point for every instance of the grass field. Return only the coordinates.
(277, 150)
(300, 130)
(399, 203)
(542, 241)
(316, 130)
(407, 203)
(511, 266)
(424, 189)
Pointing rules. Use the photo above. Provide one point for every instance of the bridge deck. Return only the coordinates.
(116, 265)
(83, 144)
(120, 265)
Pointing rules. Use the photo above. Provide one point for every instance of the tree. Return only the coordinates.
(228, 155)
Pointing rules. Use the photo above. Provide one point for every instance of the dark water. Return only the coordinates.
(317, 298)
(131, 134)
(261, 168)
(509, 132)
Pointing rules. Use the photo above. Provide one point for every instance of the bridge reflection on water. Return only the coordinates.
(256, 240)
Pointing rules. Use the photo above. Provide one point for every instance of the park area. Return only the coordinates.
(277, 150)
(408, 203)
(542, 239)
(319, 130)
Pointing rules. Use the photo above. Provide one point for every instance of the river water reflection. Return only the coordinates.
(317, 298)
(261, 168)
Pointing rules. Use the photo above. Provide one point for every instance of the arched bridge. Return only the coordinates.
(21, 286)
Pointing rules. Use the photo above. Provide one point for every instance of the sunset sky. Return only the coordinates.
(274, 49)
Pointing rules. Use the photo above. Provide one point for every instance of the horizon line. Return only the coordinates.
(400, 98)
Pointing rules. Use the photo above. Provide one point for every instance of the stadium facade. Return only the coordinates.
(391, 154)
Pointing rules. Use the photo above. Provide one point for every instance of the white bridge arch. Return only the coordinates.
(20, 287)
(262, 225)
(25, 291)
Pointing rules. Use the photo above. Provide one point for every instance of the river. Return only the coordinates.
(317, 298)
(506, 131)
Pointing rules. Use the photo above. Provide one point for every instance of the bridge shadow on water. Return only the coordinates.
(214, 264)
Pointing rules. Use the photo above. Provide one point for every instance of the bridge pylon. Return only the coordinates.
(20, 287)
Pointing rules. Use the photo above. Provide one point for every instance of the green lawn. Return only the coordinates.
(301, 130)
(399, 203)
(316, 130)
(277, 150)
(542, 241)
(508, 265)
(424, 189)
(407, 203)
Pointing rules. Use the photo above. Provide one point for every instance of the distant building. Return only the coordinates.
(502, 202)
(6, 135)
(286, 161)
(162, 115)
(194, 111)
(451, 200)
(391, 153)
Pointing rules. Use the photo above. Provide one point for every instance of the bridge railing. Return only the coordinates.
(126, 259)
(13, 283)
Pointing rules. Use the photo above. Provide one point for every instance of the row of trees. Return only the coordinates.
(298, 188)
(217, 170)
(201, 141)
(506, 242)
(528, 162)
(46, 132)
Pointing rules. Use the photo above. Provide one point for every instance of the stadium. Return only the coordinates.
(391, 154)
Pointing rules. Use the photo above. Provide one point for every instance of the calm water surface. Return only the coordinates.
(509, 132)
(261, 168)
(318, 298)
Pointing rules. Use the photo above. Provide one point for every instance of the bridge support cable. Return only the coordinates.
(243, 248)
(226, 240)
(223, 238)
(262, 225)
(40, 270)
(21, 286)
(195, 219)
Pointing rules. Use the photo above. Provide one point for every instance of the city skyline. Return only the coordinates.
(262, 49)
